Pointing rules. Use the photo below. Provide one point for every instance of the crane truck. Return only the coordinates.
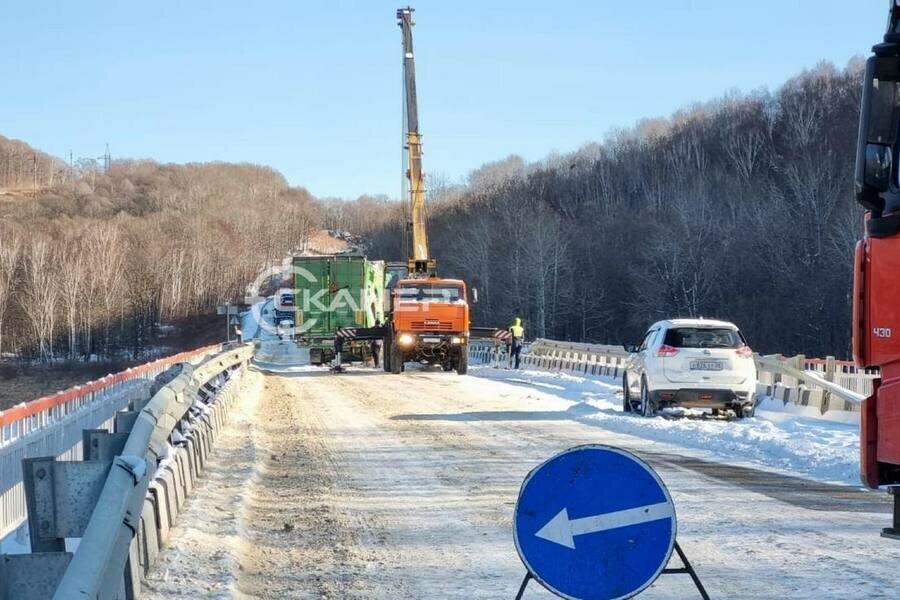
(429, 315)
(876, 287)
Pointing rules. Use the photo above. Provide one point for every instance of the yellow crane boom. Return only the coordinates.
(420, 261)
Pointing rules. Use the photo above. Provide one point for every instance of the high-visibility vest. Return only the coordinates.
(517, 331)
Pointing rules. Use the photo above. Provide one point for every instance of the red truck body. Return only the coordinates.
(876, 342)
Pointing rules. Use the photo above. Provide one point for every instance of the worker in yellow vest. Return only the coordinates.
(518, 337)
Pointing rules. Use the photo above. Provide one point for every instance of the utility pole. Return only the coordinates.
(34, 173)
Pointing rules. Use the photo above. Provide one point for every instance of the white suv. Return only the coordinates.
(694, 363)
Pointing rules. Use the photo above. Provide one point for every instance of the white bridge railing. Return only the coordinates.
(53, 425)
(823, 384)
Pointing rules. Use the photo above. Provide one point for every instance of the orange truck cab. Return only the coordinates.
(429, 324)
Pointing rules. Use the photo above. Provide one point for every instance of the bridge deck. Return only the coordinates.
(367, 485)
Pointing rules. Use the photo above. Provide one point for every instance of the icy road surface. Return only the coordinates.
(369, 485)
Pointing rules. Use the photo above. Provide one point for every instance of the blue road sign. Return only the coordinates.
(594, 523)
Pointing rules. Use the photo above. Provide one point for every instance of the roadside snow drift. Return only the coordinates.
(789, 443)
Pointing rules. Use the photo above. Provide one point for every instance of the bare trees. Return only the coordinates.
(10, 248)
(24, 168)
(72, 274)
(106, 263)
(41, 294)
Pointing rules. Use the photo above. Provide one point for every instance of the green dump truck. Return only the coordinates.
(334, 292)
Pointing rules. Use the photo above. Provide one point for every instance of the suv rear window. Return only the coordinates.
(704, 337)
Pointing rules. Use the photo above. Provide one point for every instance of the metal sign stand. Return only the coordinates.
(528, 577)
(686, 569)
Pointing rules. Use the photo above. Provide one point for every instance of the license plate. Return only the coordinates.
(706, 365)
(431, 340)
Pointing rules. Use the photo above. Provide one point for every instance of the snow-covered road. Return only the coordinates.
(367, 485)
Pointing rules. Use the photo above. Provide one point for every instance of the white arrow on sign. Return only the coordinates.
(561, 530)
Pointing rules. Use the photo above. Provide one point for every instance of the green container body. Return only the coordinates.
(335, 292)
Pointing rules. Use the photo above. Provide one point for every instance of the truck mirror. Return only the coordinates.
(474, 295)
(879, 127)
(879, 160)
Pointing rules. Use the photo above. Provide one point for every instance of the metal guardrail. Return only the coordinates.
(825, 384)
(123, 498)
(52, 425)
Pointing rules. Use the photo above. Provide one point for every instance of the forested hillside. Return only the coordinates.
(95, 264)
(25, 169)
(740, 209)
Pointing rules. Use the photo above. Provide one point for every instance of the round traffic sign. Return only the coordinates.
(594, 523)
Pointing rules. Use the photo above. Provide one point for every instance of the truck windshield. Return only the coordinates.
(430, 292)
(704, 337)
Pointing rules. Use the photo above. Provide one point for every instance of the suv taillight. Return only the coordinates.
(666, 350)
(744, 352)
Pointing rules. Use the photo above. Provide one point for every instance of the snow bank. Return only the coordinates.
(787, 441)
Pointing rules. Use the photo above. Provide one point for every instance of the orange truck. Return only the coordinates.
(429, 324)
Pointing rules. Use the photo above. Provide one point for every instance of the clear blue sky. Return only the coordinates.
(312, 88)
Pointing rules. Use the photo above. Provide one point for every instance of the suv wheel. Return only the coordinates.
(626, 396)
(647, 407)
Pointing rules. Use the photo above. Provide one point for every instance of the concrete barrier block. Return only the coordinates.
(220, 417)
(217, 417)
(780, 393)
(216, 422)
(169, 478)
(211, 428)
(184, 465)
(205, 441)
(214, 419)
(199, 453)
(205, 436)
(161, 513)
(148, 538)
(190, 460)
(133, 571)
(815, 399)
(201, 437)
(178, 485)
(763, 389)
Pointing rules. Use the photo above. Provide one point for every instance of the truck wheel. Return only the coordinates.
(386, 354)
(396, 359)
(462, 362)
(447, 366)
